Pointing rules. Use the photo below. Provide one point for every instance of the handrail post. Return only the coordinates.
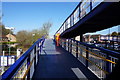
(28, 63)
(68, 45)
(60, 41)
(79, 12)
(87, 56)
(76, 49)
(108, 66)
(38, 49)
(71, 46)
(81, 37)
(64, 43)
(90, 5)
(35, 55)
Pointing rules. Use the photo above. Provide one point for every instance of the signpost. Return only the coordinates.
(7, 60)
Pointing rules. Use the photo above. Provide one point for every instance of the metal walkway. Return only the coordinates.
(56, 63)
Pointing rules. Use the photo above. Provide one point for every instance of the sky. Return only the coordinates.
(31, 15)
(107, 31)
(41, 0)
(56, 0)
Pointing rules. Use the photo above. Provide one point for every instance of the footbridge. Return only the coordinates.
(72, 59)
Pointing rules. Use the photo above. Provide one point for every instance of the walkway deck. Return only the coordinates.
(55, 63)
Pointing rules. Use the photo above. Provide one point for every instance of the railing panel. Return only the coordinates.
(85, 8)
(82, 54)
(96, 64)
(100, 61)
(32, 60)
(72, 20)
(68, 22)
(64, 27)
(21, 71)
(76, 15)
(95, 3)
(67, 44)
(73, 48)
(114, 59)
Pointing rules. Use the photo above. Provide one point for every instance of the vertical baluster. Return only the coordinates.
(90, 5)
(38, 51)
(87, 56)
(64, 43)
(76, 49)
(108, 64)
(79, 12)
(35, 57)
(71, 46)
(68, 45)
(28, 63)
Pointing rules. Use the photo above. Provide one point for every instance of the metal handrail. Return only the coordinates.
(10, 72)
(107, 57)
(110, 52)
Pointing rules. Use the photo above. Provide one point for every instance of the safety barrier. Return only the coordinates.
(24, 67)
(99, 60)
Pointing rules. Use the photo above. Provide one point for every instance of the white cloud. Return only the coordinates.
(10, 28)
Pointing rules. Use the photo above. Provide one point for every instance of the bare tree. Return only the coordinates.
(46, 28)
(27, 38)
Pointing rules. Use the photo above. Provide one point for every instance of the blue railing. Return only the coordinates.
(83, 9)
(99, 60)
(24, 67)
